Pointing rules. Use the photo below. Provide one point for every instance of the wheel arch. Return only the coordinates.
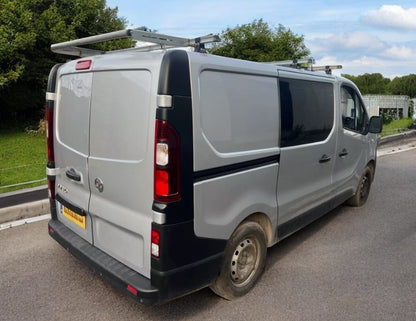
(372, 165)
(264, 221)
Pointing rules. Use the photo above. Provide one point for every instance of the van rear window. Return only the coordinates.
(307, 111)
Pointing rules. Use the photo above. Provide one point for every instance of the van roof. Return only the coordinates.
(152, 41)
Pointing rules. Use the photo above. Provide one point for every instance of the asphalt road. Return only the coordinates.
(353, 264)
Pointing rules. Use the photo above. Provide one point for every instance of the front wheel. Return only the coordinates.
(363, 189)
(243, 263)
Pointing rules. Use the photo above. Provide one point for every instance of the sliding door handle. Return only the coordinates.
(325, 158)
(343, 153)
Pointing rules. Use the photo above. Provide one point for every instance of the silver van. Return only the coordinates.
(170, 170)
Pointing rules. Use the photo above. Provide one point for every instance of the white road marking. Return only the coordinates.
(25, 221)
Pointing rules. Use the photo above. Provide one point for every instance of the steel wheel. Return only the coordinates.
(243, 264)
(245, 261)
(363, 189)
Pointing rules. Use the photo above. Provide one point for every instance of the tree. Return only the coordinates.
(370, 84)
(256, 41)
(405, 85)
(27, 29)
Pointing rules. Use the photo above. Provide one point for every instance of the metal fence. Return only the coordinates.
(6, 172)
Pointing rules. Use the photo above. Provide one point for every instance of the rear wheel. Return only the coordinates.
(243, 262)
(363, 189)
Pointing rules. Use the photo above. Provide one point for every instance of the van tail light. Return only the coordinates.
(167, 163)
(49, 142)
(155, 238)
(51, 189)
(49, 115)
(49, 134)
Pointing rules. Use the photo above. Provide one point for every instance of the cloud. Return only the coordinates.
(352, 66)
(400, 52)
(361, 53)
(342, 42)
(388, 68)
(358, 40)
(391, 16)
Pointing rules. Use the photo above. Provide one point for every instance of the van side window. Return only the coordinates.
(354, 116)
(307, 111)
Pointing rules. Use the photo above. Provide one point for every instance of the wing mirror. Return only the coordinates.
(375, 125)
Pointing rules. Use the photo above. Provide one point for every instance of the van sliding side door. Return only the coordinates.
(307, 155)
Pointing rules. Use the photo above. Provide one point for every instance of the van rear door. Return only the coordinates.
(121, 166)
(104, 154)
(71, 152)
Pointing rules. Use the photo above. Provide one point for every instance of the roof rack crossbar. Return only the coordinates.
(158, 41)
(295, 63)
(307, 64)
(328, 69)
(162, 39)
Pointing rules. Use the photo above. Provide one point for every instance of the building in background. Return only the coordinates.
(396, 106)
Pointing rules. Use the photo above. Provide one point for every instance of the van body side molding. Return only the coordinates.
(235, 168)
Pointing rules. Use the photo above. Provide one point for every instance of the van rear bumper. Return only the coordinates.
(104, 265)
(170, 284)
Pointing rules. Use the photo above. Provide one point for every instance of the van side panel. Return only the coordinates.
(221, 203)
(235, 111)
(236, 132)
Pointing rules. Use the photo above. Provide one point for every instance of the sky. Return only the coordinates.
(364, 36)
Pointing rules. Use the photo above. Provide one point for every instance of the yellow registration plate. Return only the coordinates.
(74, 217)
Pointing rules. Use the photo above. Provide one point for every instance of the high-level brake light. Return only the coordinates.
(83, 65)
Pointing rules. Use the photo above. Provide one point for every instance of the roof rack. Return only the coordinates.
(295, 63)
(307, 64)
(328, 69)
(153, 41)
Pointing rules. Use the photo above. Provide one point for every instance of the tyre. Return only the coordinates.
(243, 263)
(363, 189)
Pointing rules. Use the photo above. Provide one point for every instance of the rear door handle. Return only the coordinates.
(72, 174)
(325, 158)
(343, 153)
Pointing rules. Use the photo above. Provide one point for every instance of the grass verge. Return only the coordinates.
(397, 126)
(23, 158)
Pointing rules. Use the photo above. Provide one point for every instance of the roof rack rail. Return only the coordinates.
(157, 40)
(307, 64)
(295, 63)
(328, 69)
